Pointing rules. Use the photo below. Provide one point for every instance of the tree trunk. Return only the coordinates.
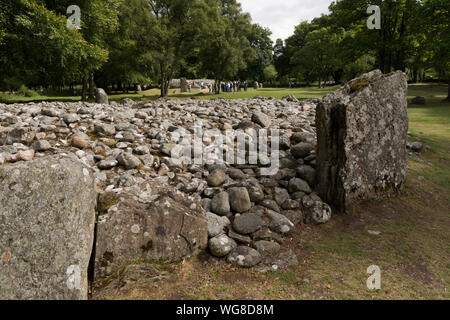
(217, 86)
(91, 85)
(84, 89)
(164, 87)
(166, 93)
(448, 92)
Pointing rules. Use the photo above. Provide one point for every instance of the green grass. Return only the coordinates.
(430, 124)
(412, 250)
(434, 92)
(10, 98)
(154, 94)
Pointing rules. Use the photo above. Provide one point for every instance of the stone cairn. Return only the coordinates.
(55, 158)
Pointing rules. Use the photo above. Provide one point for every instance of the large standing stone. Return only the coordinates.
(150, 222)
(184, 85)
(362, 133)
(101, 96)
(47, 219)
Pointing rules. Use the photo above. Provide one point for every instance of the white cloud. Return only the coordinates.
(281, 16)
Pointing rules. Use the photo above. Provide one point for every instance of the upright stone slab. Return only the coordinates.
(362, 133)
(101, 96)
(184, 85)
(47, 220)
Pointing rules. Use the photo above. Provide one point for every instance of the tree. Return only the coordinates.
(172, 37)
(321, 55)
(224, 48)
(38, 49)
(260, 41)
(437, 12)
(130, 60)
(283, 58)
(270, 73)
(393, 44)
(99, 22)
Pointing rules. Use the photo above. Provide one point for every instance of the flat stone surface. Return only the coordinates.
(47, 217)
(362, 132)
(151, 222)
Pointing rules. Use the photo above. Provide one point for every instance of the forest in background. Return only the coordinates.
(125, 43)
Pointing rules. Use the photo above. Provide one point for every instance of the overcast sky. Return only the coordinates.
(281, 16)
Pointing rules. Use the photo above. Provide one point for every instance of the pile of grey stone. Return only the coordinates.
(151, 207)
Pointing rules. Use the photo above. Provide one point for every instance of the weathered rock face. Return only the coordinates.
(16, 135)
(101, 96)
(148, 222)
(419, 100)
(362, 133)
(184, 85)
(47, 219)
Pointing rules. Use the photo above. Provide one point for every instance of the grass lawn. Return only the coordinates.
(412, 248)
(153, 94)
(8, 98)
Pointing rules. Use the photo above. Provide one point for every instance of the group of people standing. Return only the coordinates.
(234, 86)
